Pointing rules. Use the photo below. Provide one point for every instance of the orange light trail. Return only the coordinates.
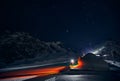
(79, 64)
(40, 72)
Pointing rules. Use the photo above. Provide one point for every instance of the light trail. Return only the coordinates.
(39, 72)
(31, 66)
(78, 65)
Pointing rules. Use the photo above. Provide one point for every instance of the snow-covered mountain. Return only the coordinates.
(111, 51)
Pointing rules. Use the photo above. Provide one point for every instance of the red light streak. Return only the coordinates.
(40, 72)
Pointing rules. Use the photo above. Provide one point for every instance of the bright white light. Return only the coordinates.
(95, 52)
(104, 55)
(98, 55)
(72, 61)
(98, 50)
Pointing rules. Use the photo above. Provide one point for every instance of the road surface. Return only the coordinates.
(58, 73)
(28, 72)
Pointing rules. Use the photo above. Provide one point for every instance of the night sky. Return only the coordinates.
(77, 23)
